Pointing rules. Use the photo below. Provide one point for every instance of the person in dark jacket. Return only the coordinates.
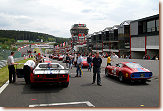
(89, 60)
(97, 69)
(67, 60)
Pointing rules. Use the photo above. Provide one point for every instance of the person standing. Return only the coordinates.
(28, 68)
(75, 59)
(97, 69)
(89, 60)
(79, 65)
(115, 56)
(67, 60)
(109, 60)
(39, 58)
(11, 63)
(70, 62)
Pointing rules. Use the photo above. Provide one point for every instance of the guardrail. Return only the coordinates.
(4, 62)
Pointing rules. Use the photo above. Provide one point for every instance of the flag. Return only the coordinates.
(64, 44)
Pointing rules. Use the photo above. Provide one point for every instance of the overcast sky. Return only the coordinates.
(56, 17)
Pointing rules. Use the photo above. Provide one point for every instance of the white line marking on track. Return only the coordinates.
(59, 104)
(4, 86)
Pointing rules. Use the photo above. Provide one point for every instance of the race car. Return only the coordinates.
(46, 60)
(55, 57)
(60, 58)
(50, 73)
(85, 63)
(129, 71)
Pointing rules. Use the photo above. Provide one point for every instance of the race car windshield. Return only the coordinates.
(133, 65)
(51, 66)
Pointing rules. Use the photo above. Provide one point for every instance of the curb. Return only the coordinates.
(4, 86)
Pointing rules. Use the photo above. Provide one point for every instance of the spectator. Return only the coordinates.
(79, 65)
(75, 59)
(97, 69)
(70, 62)
(115, 56)
(109, 60)
(154, 57)
(39, 58)
(89, 60)
(11, 63)
(67, 60)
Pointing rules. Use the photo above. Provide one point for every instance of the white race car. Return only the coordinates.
(50, 73)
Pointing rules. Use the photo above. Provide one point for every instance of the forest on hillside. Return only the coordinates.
(10, 37)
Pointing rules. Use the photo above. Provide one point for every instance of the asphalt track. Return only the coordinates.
(81, 93)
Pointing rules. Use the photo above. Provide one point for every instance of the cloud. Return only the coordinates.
(86, 11)
(56, 17)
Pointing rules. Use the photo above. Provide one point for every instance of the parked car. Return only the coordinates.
(85, 63)
(60, 58)
(55, 57)
(49, 73)
(129, 71)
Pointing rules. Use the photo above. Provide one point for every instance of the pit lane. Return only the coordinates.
(111, 94)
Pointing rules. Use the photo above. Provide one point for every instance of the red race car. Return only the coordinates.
(129, 71)
(60, 58)
(85, 63)
(47, 60)
(55, 57)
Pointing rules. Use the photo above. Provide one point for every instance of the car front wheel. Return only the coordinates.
(143, 81)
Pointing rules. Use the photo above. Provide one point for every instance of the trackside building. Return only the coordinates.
(144, 37)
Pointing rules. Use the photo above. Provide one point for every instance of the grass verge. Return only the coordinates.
(37, 50)
(4, 73)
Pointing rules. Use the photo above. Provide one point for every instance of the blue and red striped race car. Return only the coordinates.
(129, 71)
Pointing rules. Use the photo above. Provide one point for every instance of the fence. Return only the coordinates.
(4, 62)
(5, 53)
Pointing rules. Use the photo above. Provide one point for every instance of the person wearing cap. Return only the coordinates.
(11, 63)
(97, 69)
(39, 58)
(28, 68)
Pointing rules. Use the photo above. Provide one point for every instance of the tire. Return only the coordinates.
(32, 85)
(121, 78)
(65, 84)
(106, 73)
(143, 81)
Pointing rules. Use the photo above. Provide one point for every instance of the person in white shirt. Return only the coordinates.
(28, 68)
(11, 63)
(115, 56)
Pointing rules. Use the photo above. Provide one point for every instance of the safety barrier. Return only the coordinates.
(4, 62)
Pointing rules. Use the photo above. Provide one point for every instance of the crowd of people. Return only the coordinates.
(76, 60)
(95, 59)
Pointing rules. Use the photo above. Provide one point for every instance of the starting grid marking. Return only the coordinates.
(60, 104)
